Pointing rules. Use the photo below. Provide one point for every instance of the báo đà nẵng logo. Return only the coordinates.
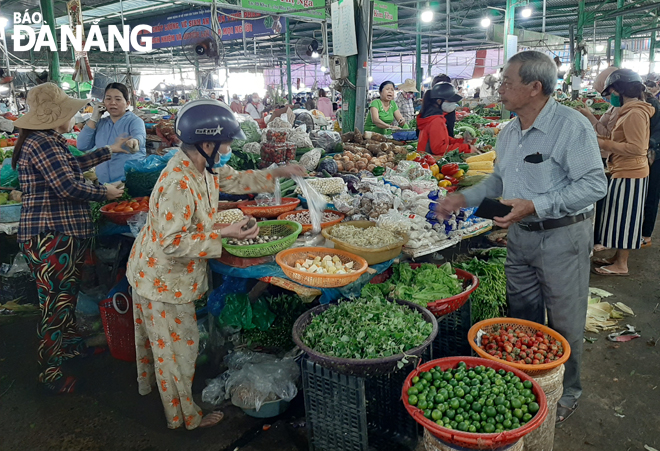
(29, 33)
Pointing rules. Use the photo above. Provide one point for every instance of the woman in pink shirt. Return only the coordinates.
(324, 105)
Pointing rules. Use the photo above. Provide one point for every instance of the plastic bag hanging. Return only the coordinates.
(277, 193)
(315, 203)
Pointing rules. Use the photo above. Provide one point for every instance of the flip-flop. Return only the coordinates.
(601, 262)
(646, 243)
(62, 386)
(602, 271)
(564, 413)
(214, 414)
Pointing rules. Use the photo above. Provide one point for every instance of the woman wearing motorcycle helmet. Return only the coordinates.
(434, 138)
(167, 267)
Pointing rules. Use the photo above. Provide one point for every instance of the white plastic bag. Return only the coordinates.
(315, 203)
(136, 222)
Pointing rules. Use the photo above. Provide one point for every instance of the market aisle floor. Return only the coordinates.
(108, 414)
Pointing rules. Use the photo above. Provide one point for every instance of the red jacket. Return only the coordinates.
(434, 137)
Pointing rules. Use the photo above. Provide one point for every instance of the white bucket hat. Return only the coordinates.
(408, 86)
(49, 107)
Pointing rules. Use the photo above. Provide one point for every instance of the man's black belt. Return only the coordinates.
(555, 223)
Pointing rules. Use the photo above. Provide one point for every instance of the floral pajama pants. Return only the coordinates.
(56, 261)
(166, 342)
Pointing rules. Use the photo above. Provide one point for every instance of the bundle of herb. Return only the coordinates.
(489, 299)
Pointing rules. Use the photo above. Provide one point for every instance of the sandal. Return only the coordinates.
(604, 271)
(563, 413)
(646, 242)
(601, 261)
(213, 418)
(62, 386)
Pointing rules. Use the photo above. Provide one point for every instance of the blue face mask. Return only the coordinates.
(224, 159)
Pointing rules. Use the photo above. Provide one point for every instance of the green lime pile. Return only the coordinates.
(479, 399)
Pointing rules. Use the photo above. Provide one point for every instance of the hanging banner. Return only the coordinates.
(344, 39)
(386, 13)
(283, 6)
(168, 29)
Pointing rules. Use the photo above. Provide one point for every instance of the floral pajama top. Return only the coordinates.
(168, 259)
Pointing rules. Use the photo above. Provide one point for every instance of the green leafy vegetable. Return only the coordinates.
(425, 284)
(366, 328)
(241, 160)
(286, 308)
(489, 299)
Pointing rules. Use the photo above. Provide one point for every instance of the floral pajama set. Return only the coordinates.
(167, 269)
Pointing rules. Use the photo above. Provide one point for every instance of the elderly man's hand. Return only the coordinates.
(521, 209)
(449, 205)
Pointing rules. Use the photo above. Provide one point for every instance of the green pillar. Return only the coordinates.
(281, 80)
(47, 9)
(348, 97)
(652, 46)
(419, 72)
(509, 21)
(619, 33)
(288, 61)
(578, 37)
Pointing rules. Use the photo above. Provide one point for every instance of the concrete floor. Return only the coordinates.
(108, 414)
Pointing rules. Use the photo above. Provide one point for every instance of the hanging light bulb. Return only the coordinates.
(527, 12)
(427, 15)
(315, 54)
(370, 79)
(485, 22)
(323, 69)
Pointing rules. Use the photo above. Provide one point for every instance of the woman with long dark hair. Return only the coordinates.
(55, 225)
(103, 130)
(439, 101)
(626, 153)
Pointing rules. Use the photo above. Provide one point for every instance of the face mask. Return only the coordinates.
(224, 159)
(448, 107)
(615, 100)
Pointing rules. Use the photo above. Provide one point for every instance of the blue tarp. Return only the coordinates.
(273, 270)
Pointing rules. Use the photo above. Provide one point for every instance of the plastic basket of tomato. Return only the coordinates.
(525, 345)
(120, 212)
(474, 403)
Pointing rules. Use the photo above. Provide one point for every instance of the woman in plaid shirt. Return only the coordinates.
(55, 224)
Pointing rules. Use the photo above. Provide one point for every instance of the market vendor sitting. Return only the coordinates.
(100, 132)
(383, 111)
(433, 135)
(167, 267)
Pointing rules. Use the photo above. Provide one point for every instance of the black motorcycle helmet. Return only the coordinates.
(207, 121)
(623, 75)
(445, 91)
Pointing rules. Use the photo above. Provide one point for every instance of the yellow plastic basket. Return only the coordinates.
(372, 255)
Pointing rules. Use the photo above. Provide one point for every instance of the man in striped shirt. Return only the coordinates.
(550, 172)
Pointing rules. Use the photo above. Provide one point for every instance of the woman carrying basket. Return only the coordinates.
(167, 266)
(55, 225)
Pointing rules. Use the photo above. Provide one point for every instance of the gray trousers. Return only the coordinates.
(549, 271)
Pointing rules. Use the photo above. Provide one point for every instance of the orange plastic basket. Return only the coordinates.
(468, 439)
(287, 261)
(120, 217)
(530, 327)
(251, 208)
(307, 227)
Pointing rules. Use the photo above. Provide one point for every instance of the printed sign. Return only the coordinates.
(386, 13)
(168, 29)
(282, 6)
